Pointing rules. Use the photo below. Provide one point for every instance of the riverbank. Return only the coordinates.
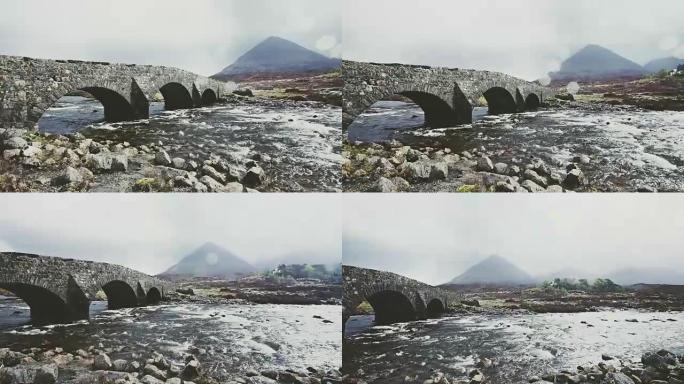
(259, 290)
(243, 145)
(568, 146)
(94, 365)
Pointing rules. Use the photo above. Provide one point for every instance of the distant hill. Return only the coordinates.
(328, 258)
(210, 260)
(666, 63)
(493, 270)
(276, 55)
(594, 62)
(630, 276)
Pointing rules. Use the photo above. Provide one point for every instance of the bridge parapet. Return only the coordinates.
(394, 298)
(30, 86)
(446, 95)
(60, 290)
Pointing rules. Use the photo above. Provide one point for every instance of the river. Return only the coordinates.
(629, 147)
(521, 345)
(302, 139)
(235, 337)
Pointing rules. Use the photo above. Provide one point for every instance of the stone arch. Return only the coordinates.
(209, 97)
(120, 295)
(46, 306)
(116, 107)
(500, 100)
(532, 102)
(391, 306)
(434, 308)
(176, 96)
(154, 296)
(438, 112)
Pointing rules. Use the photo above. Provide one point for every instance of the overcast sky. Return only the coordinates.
(152, 232)
(526, 38)
(435, 237)
(203, 36)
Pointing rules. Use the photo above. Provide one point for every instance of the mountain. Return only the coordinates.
(666, 63)
(210, 260)
(493, 270)
(594, 62)
(275, 56)
(629, 276)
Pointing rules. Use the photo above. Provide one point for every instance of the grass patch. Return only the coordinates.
(468, 188)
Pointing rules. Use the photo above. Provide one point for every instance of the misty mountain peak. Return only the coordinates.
(493, 270)
(210, 260)
(276, 55)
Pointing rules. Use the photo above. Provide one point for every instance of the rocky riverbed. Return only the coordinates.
(174, 343)
(245, 145)
(568, 146)
(516, 347)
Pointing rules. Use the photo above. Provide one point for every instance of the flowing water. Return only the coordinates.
(235, 337)
(521, 346)
(303, 140)
(629, 147)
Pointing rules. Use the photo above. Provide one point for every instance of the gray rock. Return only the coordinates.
(191, 370)
(419, 170)
(385, 185)
(532, 186)
(162, 158)
(501, 168)
(513, 170)
(254, 177)
(99, 162)
(120, 365)
(617, 378)
(174, 380)
(213, 173)
(178, 162)
(234, 187)
(574, 179)
(439, 170)
(535, 177)
(119, 163)
(212, 185)
(102, 362)
(484, 164)
(149, 379)
(15, 142)
(70, 176)
(582, 159)
(540, 167)
(154, 371)
(554, 189)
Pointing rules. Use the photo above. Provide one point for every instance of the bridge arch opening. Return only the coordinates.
(532, 102)
(176, 96)
(83, 106)
(391, 307)
(120, 295)
(499, 101)
(45, 306)
(153, 296)
(434, 308)
(208, 97)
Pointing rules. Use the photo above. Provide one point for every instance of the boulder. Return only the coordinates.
(532, 175)
(531, 186)
(70, 176)
(210, 171)
(234, 187)
(15, 142)
(574, 179)
(484, 164)
(385, 185)
(439, 170)
(154, 371)
(119, 163)
(212, 185)
(120, 365)
(102, 362)
(162, 158)
(191, 370)
(254, 177)
(98, 163)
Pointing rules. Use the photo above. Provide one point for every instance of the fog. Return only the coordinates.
(525, 38)
(433, 238)
(152, 232)
(202, 36)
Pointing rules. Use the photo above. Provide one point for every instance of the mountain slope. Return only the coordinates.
(210, 260)
(493, 270)
(666, 63)
(628, 276)
(594, 62)
(277, 56)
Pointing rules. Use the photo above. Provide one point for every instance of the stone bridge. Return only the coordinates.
(30, 86)
(60, 290)
(447, 96)
(394, 298)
